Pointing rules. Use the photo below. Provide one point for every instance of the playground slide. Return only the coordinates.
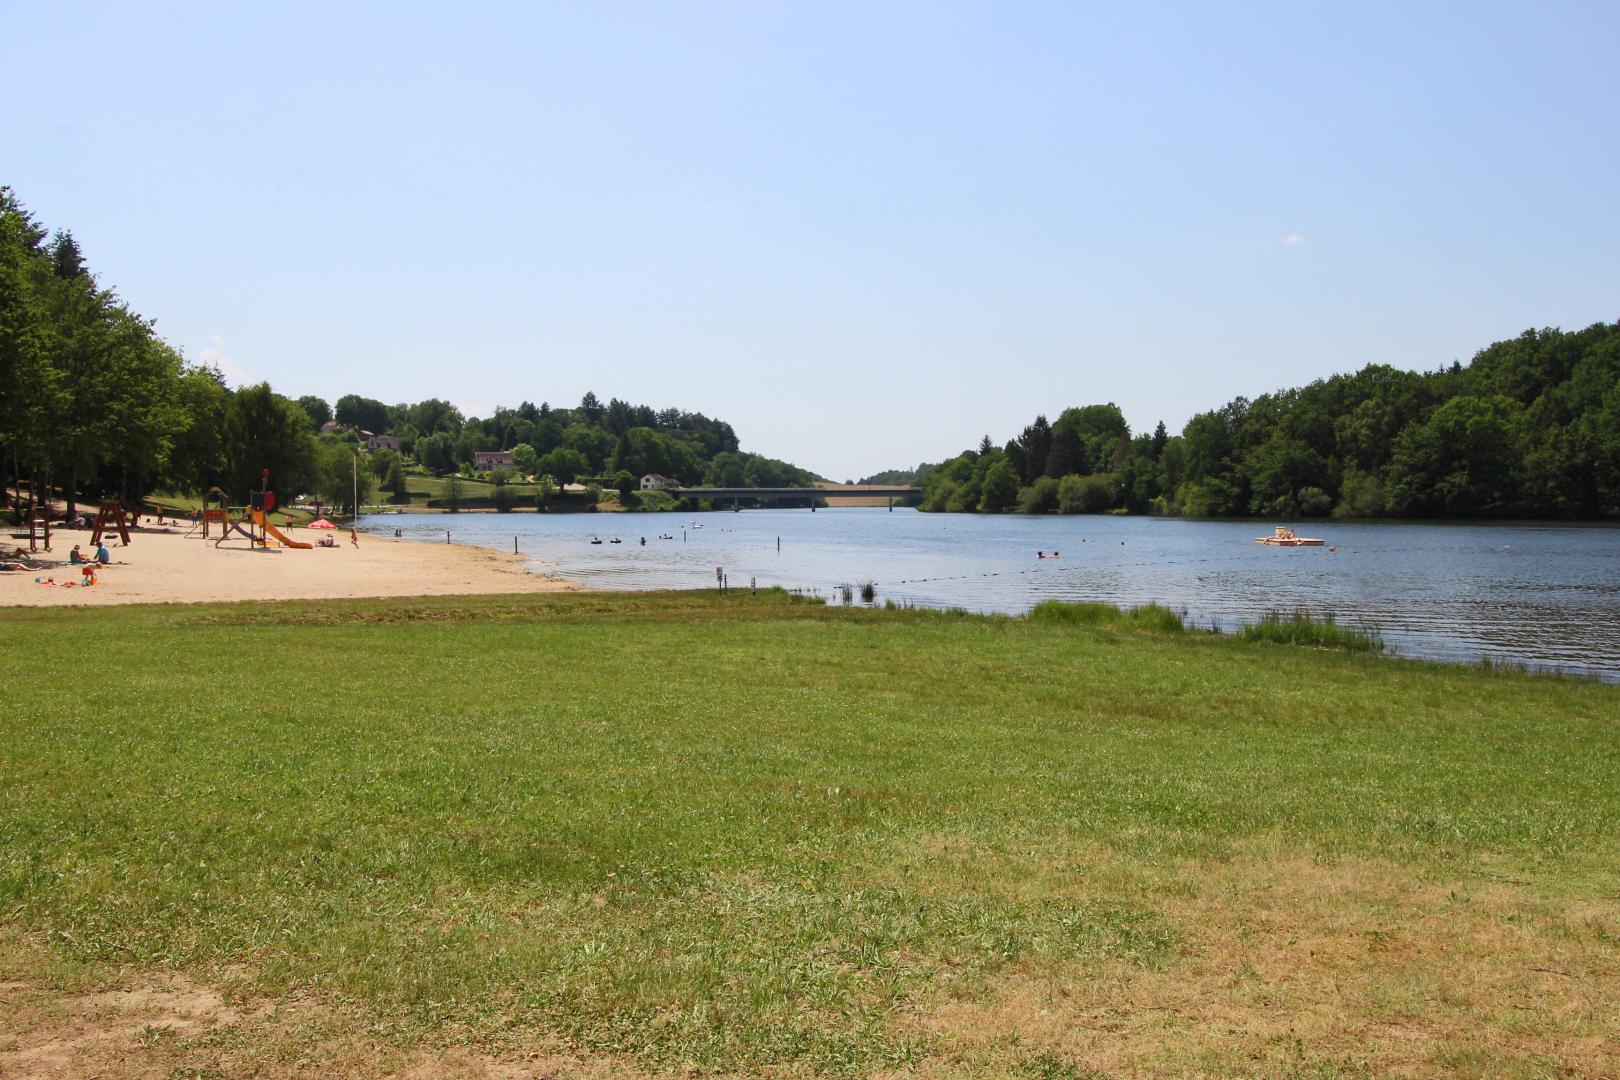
(275, 533)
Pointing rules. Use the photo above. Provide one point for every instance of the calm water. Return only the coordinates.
(1544, 595)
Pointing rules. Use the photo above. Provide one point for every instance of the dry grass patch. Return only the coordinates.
(60, 1023)
(1288, 967)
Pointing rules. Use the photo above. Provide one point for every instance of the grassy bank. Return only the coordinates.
(667, 834)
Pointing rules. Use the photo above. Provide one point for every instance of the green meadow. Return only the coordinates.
(690, 834)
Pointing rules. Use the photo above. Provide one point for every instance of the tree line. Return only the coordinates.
(1529, 428)
(94, 403)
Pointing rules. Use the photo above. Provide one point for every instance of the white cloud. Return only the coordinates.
(1294, 239)
(215, 356)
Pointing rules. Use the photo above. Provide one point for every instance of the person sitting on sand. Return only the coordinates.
(75, 556)
(102, 555)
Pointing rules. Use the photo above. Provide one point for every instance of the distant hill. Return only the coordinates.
(917, 476)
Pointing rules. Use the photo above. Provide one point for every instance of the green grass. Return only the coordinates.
(751, 834)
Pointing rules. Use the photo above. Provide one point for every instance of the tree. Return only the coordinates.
(437, 453)
(999, 490)
(452, 493)
(594, 443)
(264, 430)
(625, 481)
(565, 464)
(471, 440)
(379, 462)
(320, 413)
(1463, 461)
(197, 453)
(525, 458)
(66, 259)
(355, 411)
(338, 475)
(1037, 444)
(434, 415)
(1277, 470)
(395, 482)
(640, 451)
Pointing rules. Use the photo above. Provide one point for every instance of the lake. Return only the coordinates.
(1543, 595)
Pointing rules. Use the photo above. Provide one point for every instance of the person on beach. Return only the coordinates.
(354, 538)
(102, 555)
(75, 556)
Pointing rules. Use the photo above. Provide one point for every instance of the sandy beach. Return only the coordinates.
(168, 567)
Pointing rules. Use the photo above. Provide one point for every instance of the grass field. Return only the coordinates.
(701, 835)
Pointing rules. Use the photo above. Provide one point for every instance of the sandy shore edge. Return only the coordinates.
(169, 567)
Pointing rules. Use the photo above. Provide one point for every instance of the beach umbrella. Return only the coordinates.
(320, 523)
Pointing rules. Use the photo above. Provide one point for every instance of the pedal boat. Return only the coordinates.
(1285, 537)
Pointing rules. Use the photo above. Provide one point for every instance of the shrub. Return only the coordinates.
(1153, 618)
(1041, 497)
(1085, 494)
(1363, 496)
(1314, 502)
(1301, 629)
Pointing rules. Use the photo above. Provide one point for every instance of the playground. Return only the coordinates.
(220, 552)
(161, 567)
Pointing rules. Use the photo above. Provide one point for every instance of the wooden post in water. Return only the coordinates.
(514, 545)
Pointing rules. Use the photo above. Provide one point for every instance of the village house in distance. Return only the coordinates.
(492, 459)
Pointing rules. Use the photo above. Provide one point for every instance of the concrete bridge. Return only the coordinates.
(873, 492)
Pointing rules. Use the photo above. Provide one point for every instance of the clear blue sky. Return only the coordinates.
(866, 234)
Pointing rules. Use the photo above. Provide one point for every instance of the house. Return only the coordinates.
(492, 459)
(654, 482)
(383, 442)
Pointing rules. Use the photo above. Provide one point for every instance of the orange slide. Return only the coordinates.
(275, 533)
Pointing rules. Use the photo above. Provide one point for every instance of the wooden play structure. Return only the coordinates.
(39, 526)
(110, 516)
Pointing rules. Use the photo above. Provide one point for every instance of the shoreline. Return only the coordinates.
(167, 566)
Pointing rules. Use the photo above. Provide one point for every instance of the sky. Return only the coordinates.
(866, 234)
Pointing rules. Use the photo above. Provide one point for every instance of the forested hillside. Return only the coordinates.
(1529, 428)
(93, 402)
